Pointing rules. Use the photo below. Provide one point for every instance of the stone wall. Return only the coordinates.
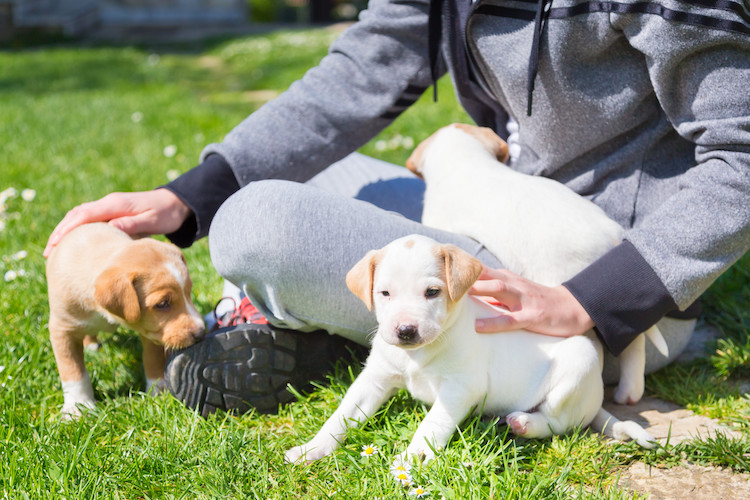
(146, 13)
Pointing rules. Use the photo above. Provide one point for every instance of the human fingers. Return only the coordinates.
(500, 289)
(138, 213)
(152, 212)
(503, 322)
(101, 210)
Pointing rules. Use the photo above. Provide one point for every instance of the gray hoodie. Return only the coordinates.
(641, 106)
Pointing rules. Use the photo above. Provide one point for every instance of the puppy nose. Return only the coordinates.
(406, 332)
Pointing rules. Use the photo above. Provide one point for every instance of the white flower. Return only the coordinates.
(28, 194)
(172, 174)
(19, 255)
(152, 59)
(7, 195)
(369, 450)
(170, 151)
(380, 145)
(408, 142)
(419, 492)
(401, 471)
(10, 275)
(136, 117)
(404, 478)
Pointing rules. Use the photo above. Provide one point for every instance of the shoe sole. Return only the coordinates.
(235, 369)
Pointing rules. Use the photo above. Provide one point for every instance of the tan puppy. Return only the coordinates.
(99, 278)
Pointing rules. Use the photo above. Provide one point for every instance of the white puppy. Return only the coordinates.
(426, 342)
(537, 227)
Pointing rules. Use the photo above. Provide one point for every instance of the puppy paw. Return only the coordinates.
(518, 422)
(627, 430)
(73, 411)
(629, 392)
(305, 454)
(156, 386)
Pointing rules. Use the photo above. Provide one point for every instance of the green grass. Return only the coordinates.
(78, 122)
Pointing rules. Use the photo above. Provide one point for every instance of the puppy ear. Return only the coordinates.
(361, 277)
(461, 270)
(114, 290)
(489, 139)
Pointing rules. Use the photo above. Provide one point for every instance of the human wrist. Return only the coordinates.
(578, 320)
(179, 210)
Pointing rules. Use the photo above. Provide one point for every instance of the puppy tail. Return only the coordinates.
(606, 423)
(656, 338)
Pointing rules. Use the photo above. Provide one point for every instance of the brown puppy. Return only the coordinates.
(99, 278)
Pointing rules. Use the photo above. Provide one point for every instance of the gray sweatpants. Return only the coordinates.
(289, 245)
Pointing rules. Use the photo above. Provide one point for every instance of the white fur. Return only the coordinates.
(76, 395)
(181, 275)
(542, 384)
(537, 227)
(155, 386)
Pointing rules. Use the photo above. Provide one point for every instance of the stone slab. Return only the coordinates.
(664, 419)
(685, 482)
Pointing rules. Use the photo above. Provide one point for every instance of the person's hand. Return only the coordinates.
(141, 213)
(547, 310)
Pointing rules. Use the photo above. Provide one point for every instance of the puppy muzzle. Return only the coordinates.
(404, 335)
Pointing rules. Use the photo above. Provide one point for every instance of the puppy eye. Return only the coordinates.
(385, 293)
(432, 292)
(163, 305)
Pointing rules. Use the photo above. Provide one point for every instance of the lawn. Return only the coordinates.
(77, 122)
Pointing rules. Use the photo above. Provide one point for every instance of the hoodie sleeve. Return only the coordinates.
(374, 71)
(701, 77)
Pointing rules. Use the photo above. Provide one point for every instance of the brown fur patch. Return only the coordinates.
(409, 243)
(460, 270)
(489, 139)
(361, 277)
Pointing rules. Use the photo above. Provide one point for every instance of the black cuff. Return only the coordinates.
(622, 294)
(203, 189)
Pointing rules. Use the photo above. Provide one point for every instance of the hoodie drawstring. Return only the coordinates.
(539, 21)
(435, 28)
(435, 34)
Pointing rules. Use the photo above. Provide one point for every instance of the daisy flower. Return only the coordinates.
(369, 450)
(28, 194)
(419, 492)
(8, 194)
(20, 255)
(170, 150)
(401, 471)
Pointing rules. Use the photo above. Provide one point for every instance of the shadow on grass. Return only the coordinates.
(116, 368)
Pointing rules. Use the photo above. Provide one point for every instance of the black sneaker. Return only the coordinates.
(248, 364)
